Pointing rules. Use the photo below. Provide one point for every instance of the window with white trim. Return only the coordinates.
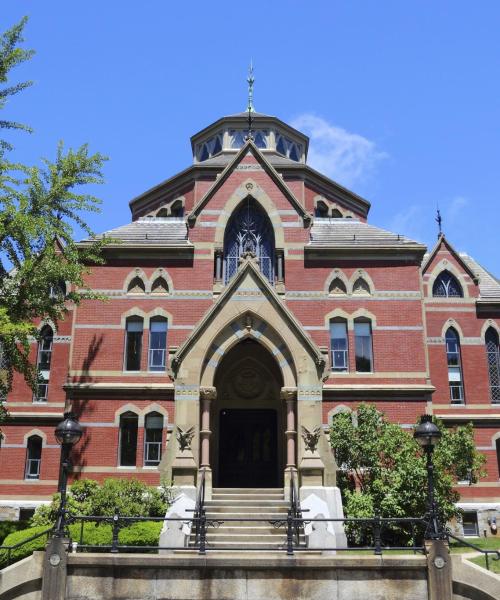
(339, 345)
(44, 358)
(454, 360)
(153, 435)
(33, 457)
(157, 355)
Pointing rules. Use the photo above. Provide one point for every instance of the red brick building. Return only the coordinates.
(247, 298)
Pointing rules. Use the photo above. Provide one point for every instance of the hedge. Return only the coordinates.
(7, 527)
(145, 533)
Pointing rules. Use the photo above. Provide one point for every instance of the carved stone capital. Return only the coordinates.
(288, 393)
(208, 393)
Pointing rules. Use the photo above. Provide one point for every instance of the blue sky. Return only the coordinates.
(401, 99)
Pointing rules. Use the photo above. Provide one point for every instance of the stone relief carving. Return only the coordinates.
(311, 438)
(247, 383)
(184, 438)
(208, 393)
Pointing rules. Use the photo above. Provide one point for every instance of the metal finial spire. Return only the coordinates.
(250, 108)
(439, 221)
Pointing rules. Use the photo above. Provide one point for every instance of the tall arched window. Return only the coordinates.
(447, 286)
(153, 434)
(128, 439)
(133, 344)
(339, 345)
(157, 356)
(363, 345)
(33, 457)
(493, 358)
(249, 230)
(44, 358)
(454, 360)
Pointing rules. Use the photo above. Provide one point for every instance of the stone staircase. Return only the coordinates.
(244, 504)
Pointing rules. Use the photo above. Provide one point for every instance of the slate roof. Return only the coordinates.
(149, 232)
(351, 233)
(489, 286)
(223, 159)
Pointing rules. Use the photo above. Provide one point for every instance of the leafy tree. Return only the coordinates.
(383, 470)
(39, 208)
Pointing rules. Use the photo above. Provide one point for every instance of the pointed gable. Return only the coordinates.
(441, 244)
(249, 154)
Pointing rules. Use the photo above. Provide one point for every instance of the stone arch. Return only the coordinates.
(33, 432)
(135, 311)
(340, 408)
(161, 272)
(486, 325)
(236, 331)
(44, 322)
(154, 407)
(363, 313)
(361, 274)
(129, 407)
(160, 312)
(338, 313)
(446, 265)
(136, 273)
(252, 189)
(336, 274)
(455, 325)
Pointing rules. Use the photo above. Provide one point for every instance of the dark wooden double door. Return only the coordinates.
(248, 448)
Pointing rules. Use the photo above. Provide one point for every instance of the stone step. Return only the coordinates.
(258, 497)
(247, 504)
(247, 491)
(245, 545)
(246, 511)
(252, 527)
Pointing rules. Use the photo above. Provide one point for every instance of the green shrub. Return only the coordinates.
(94, 534)
(17, 537)
(7, 527)
(130, 497)
(145, 533)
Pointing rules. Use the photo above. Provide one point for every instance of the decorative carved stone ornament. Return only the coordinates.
(288, 394)
(208, 393)
(311, 438)
(184, 438)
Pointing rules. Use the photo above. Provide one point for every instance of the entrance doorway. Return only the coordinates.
(248, 442)
(248, 448)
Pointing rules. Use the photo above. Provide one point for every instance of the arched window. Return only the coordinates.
(336, 214)
(33, 457)
(136, 286)
(321, 210)
(133, 344)
(454, 360)
(58, 290)
(249, 230)
(153, 435)
(493, 358)
(44, 358)
(339, 345)
(128, 439)
(160, 286)
(363, 345)
(177, 209)
(157, 356)
(162, 213)
(447, 286)
(337, 287)
(361, 287)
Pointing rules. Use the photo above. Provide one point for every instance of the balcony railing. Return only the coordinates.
(157, 359)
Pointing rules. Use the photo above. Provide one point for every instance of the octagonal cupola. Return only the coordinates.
(227, 135)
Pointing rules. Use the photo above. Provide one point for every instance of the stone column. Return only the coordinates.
(207, 396)
(289, 397)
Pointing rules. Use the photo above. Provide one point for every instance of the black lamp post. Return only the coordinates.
(427, 435)
(68, 433)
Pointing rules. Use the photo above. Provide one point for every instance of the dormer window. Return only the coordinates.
(239, 137)
(288, 148)
(210, 148)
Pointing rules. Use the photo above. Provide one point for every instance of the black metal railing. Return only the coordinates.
(199, 514)
(495, 554)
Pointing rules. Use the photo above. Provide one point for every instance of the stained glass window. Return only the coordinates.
(493, 358)
(249, 230)
(447, 286)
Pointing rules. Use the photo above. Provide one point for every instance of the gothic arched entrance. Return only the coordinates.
(248, 422)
